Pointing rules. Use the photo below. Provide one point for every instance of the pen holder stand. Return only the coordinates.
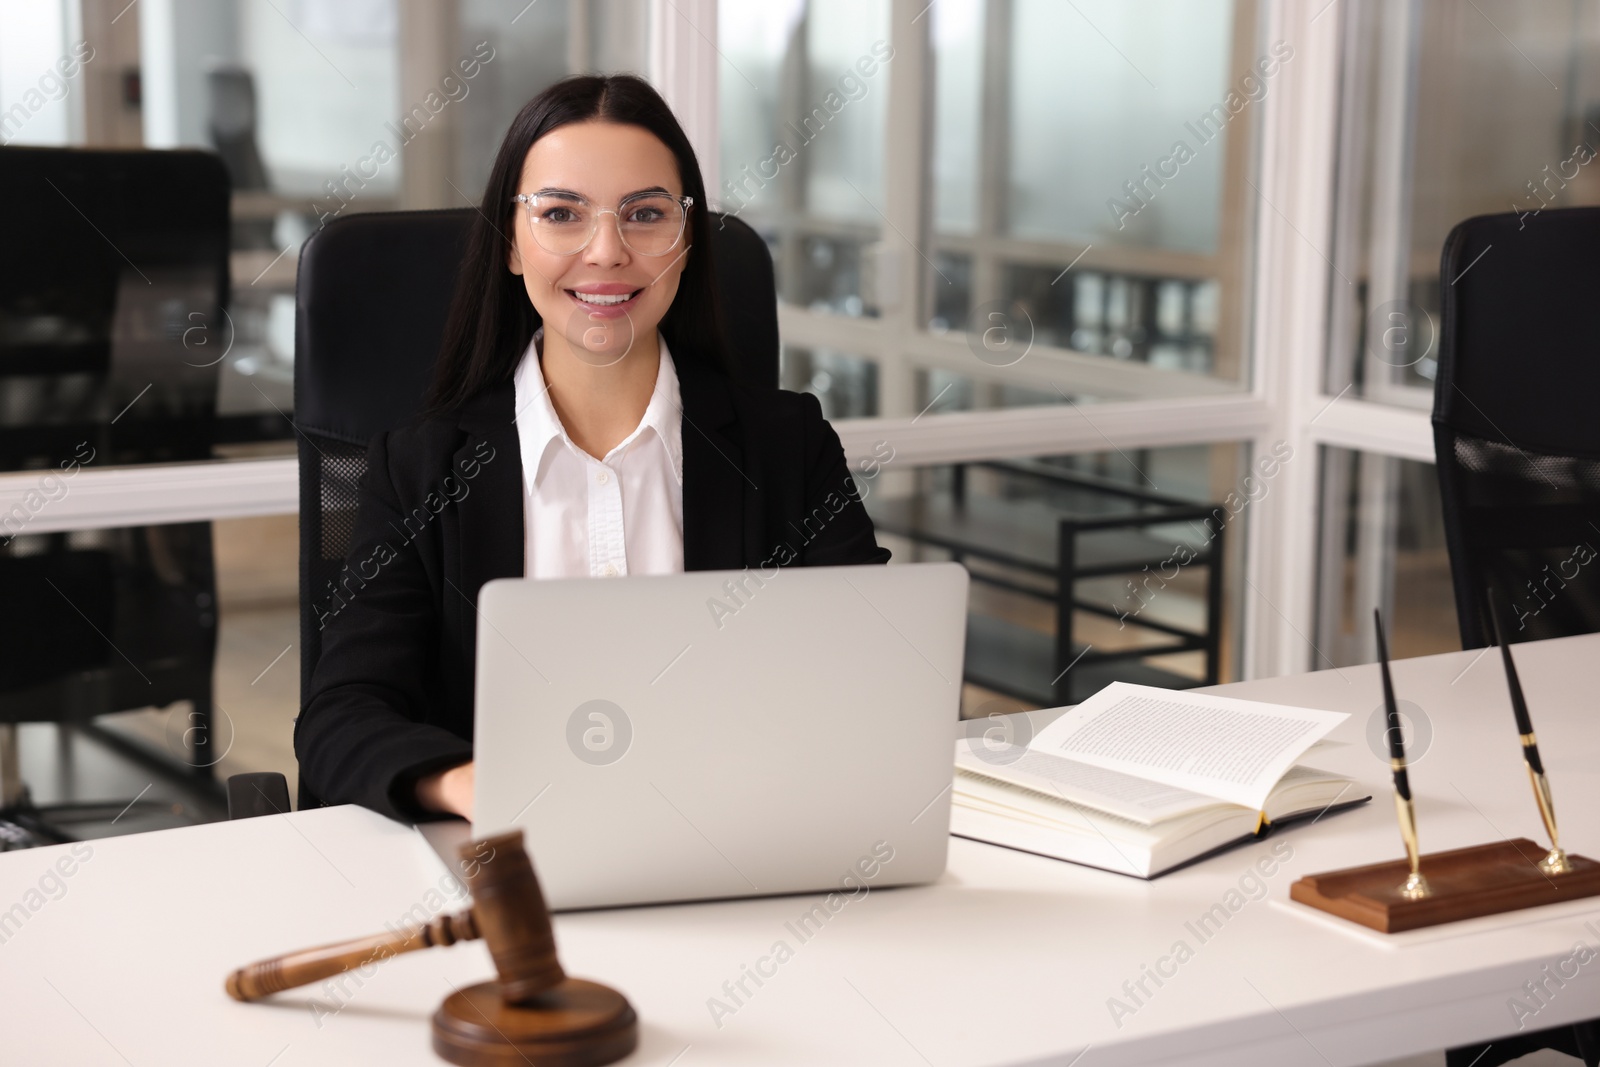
(1464, 883)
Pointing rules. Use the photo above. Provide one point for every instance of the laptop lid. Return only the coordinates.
(721, 733)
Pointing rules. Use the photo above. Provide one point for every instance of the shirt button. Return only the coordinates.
(603, 477)
(610, 568)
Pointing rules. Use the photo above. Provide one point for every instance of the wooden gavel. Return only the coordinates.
(534, 1013)
(508, 912)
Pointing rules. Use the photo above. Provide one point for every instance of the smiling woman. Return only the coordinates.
(584, 336)
(584, 144)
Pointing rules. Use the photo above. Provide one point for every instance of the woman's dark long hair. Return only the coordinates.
(491, 321)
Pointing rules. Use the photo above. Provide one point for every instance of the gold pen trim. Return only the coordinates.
(1555, 861)
(1415, 886)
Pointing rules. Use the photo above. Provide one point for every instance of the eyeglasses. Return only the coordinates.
(564, 224)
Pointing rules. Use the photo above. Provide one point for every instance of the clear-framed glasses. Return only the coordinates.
(564, 223)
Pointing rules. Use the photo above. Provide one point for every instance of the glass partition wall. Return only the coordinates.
(318, 109)
(990, 207)
(1447, 111)
(1123, 233)
(324, 109)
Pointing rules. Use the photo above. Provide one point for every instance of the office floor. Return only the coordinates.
(257, 690)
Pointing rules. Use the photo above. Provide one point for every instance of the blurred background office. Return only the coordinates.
(1130, 305)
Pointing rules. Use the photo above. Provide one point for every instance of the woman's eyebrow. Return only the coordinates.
(568, 194)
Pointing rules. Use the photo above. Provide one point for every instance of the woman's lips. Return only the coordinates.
(599, 303)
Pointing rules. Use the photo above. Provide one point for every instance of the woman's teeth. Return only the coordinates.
(602, 299)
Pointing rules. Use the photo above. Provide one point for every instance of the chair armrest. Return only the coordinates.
(257, 793)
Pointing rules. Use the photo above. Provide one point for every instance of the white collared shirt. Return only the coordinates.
(586, 517)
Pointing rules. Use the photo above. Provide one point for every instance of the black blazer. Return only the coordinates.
(441, 512)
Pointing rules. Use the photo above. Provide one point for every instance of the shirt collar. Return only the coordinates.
(539, 428)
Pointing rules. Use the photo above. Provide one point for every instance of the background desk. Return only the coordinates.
(1009, 959)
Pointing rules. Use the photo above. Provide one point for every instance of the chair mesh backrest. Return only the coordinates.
(371, 300)
(1516, 441)
(328, 501)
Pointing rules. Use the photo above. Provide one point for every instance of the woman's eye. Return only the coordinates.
(645, 214)
(558, 214)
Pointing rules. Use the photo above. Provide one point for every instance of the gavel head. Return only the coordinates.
(509, 913)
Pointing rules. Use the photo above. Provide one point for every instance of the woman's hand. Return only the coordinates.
(448, 790)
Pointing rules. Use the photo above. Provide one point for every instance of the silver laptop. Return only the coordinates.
(721, 733)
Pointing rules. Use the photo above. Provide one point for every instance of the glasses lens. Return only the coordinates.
(651, 224)
(560, 224)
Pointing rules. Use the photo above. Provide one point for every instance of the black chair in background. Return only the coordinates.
(1517, 447)
(231, 123)
(371, 300)
(1516, 437)
(113, 271)
(256, 793)
(231, 96)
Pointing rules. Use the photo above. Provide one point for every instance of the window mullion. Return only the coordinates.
(902, 253)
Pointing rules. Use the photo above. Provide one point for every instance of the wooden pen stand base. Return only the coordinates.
(1465, 883)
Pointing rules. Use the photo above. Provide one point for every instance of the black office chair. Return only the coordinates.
(1517, 446)
(231, 95)
(257, 793)
(231, 123)
(1516, 437)
(371, 299)
(112, 260)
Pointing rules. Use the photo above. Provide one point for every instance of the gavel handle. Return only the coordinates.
(257, 980)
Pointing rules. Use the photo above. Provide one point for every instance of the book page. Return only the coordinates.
(1066, 780)
(1222, 747)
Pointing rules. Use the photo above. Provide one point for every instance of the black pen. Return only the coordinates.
(1555, 861)
(1415, 886)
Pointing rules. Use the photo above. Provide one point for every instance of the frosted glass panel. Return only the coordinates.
(804, 95)
(1113, 107)
(842, 118)
(1451, 110)
(36, 52)
(1091, 187)
(958, 74)
(754, 40)
(321, 112)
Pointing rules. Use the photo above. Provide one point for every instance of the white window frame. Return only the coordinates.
(1286, 400)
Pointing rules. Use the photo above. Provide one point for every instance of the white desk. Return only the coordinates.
(1009, 959)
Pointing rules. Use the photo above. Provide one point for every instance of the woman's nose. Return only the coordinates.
(605, 247)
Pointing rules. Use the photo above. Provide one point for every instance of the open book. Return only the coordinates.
(1140, 780)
